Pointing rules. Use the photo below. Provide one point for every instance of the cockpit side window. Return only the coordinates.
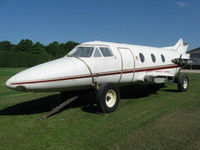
(97, 53)
(106, 51)
(83, 52)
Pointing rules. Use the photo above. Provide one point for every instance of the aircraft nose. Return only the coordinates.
(10, 85)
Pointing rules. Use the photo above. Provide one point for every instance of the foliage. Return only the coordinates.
(55, 50)
(27, 54)
(38, 48)
(5, 46)
(24, 45)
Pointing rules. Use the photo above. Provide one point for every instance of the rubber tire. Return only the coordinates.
(182, 78)
(101, 97)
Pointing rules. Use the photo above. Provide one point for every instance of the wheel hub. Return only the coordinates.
(185, 84)
(110, 98)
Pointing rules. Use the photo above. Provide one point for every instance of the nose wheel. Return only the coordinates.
(108, 97)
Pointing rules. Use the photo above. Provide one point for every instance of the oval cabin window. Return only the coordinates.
(153, 58)
(163, 58)
(141, 57)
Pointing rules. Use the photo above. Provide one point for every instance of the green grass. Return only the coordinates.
(5, 73)
(163, 120)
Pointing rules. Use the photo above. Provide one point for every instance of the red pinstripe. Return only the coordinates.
(100, 74)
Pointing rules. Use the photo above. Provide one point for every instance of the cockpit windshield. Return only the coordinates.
(105, 51)
(83, 52)
(89, 51)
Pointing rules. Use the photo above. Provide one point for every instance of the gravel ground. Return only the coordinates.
(190, 71)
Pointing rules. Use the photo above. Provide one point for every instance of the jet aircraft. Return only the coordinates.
(103, 67)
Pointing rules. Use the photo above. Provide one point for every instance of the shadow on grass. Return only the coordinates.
(167, 90)
(86, 102)
(44, 104)
(32, 107)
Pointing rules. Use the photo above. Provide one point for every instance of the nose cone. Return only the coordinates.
(10, 83)
(49, 76)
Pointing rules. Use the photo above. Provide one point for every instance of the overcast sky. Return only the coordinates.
(143, 22)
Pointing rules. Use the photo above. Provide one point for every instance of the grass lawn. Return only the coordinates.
(164, 120)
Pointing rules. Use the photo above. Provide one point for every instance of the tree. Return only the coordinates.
(38, 48)
(27, 54)
(68, 46)
(55, 50)
(8, 59)
(25, 45)
(5, 46)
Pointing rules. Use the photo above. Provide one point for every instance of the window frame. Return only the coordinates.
(81, 46)
(96, 48)
(109, 49)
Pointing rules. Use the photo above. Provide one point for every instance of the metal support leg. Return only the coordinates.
(55, 110)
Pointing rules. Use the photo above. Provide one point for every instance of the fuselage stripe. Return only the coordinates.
(100, 74)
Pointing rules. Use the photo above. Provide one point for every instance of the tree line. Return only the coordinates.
(28, 54)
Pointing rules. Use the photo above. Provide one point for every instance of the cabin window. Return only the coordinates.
(83, 52)
(105, 51)
(97, 53)
(153, 58)
(163, 58)
(141, 57)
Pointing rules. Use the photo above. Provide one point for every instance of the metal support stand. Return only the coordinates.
(55, 110)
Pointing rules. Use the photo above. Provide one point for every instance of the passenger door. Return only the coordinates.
(127, 65)
(107, 66)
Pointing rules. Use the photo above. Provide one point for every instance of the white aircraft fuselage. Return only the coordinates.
(122, 66)
(92, 64)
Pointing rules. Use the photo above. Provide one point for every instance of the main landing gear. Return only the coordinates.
(108, 97)
(108, 94)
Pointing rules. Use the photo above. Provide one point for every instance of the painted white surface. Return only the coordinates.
(125, 66)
